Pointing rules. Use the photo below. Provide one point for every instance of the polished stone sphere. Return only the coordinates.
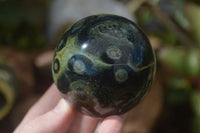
(104, 64)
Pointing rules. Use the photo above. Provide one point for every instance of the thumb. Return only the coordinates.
(57, 120)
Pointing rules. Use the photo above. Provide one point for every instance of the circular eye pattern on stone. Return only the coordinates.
(114, 53)
(121, 75)
(56, 65)
(80, 64)
(78, 85)
(79, 67)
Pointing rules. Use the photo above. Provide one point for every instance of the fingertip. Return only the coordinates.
(112, 124)
(63, 106)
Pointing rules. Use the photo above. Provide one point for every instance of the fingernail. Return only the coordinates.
(62, 106)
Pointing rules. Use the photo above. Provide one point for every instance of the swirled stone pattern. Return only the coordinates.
(104, 64)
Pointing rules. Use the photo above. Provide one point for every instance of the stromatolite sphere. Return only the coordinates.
(104, 64)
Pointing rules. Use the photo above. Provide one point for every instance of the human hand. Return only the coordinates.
(52, 114)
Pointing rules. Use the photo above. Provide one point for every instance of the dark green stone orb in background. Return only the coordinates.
(104, 64)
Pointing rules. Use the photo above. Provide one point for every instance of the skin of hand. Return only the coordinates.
(53, 114)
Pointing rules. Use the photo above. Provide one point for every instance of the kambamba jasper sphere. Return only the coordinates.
(104, 64)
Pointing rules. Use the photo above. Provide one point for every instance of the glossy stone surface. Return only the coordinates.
(104, 64)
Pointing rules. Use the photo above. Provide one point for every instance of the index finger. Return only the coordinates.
(47, 102)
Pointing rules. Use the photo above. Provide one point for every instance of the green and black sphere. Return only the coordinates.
(104, 64)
